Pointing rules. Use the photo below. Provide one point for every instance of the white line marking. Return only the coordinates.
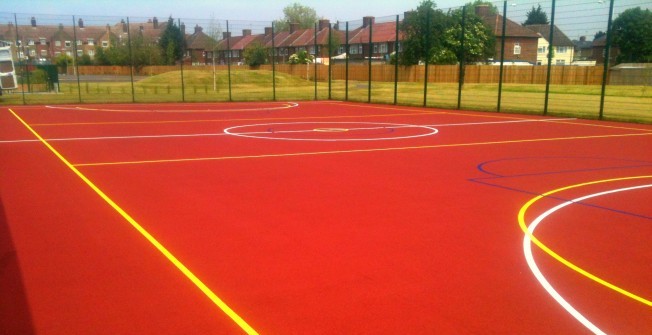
(285, 105)
(527, 248)
(221, 134)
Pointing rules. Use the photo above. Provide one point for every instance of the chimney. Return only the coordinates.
(124, 26)
(33, 21)
(294, 27)
(336, 26)
(268, 31)
(246, 32)
(155, 22)
(183, 29)
(582, 38)
(80, 23)
(324, 24)
(367, 21)
(226, 34)
(108, 27)
(198, 29)
(482, 10)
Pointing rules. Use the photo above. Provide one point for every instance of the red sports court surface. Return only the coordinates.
(322, 218)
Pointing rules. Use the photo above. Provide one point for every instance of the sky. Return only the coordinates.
(574, 17)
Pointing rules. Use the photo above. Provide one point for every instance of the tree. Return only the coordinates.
(479, 43)
(536, 16)
(301, 57)
(599, 34)
(470, 7)
(424, 31)
(632, 34)
(296, 13)
(62, 61)
(172, 43)
(255, 55)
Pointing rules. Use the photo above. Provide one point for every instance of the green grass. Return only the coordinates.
(623, 103)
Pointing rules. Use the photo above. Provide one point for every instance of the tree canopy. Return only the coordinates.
(536, 16)
(305, 16)
(255, 55)
(172, 43)
(632, 30)
(435, 37)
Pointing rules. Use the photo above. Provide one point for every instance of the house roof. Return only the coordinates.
(513, 29)
(558, 36)
(200, 41)
(381, 32)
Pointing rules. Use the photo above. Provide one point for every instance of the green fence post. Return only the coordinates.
(425, 76)
(396, 42)
(183, 88)
(131, 63)
(228, 57)
(550, 48)
(23, 46)
(371, 24)
(314, 45)
(461, 55)
(346, 64)
(502, 57)
(607, 50)
(74, 56)
(273, 65)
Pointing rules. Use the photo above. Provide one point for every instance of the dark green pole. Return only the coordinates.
(370, 54)
(228, 57)
(131, 63)
(74, 55)
(461, 57)
(314, 45)
(502, 56)
(273, 65)
(396, 63)
(183, 37)
(550, 48)
(427, 55)
(346, 64)
(607, 50)
(22, 45)
(330, 53)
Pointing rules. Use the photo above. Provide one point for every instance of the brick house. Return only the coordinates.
(383, 40)
(521, 43)
(598, 51)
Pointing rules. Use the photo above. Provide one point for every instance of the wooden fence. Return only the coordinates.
(481, 74)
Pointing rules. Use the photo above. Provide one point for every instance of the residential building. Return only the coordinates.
(383, 40)
(563, 49)
(599, 47)
(521, 43)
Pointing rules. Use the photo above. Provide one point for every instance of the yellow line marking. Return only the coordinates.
(231, 120)
(353, 151)
(194, 279)
(603, 126)
(523, 225)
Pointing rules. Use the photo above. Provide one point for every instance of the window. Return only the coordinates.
(57, 43)
(69, 53)
(44, 53)
(32, 52)
(356, 49)
(80, 53)
(105, 44)
(340, 50)
(400, 47)
(91, 41)
(375, 48)
(79, 42)
(91, 53)
(57, 53)
(561, 62)
(562, 50)
(42, 40)
(68, 44)
(517, 48)
(30, 42)
(312, 50)
(541, 50)
(382, 48)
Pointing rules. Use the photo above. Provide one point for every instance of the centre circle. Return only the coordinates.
(331, 131)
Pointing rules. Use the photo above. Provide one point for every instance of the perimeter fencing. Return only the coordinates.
(467, 58)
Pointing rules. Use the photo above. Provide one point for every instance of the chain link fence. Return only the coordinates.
(484, 57)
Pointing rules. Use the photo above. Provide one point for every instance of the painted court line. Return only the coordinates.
(356, 150)
(527, 249)
(285, 131)
(162, 249)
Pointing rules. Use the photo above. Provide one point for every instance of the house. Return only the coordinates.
(521, 43)
(583, 49)
(563, 49)
(599, 47)
(200, 48)
(383, 40)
